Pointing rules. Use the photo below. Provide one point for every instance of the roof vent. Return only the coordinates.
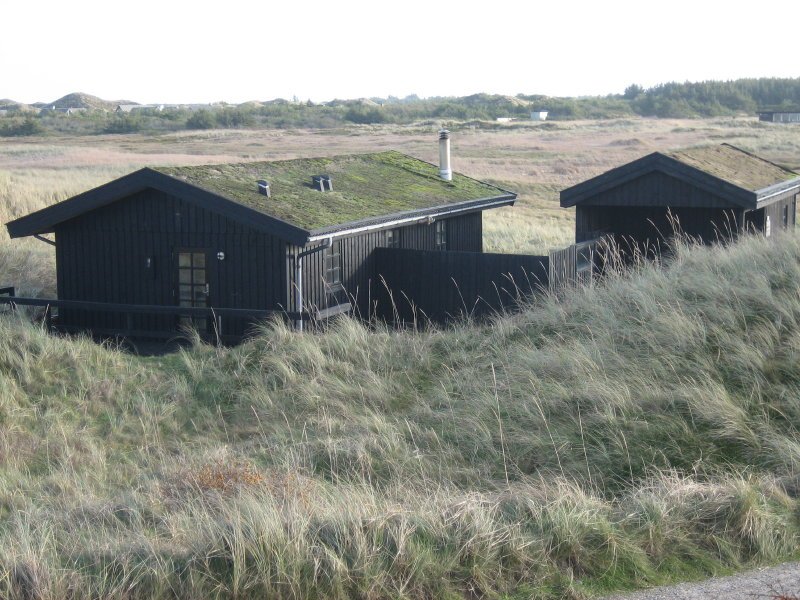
(263, 187)
(322, 183)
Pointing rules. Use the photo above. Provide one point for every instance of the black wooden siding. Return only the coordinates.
(657, 189)
(652, 225)
(464, 233)
(426, 285)
(101, 256)
(775, 213)
(643, 210)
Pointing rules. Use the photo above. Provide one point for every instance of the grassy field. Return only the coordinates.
(637, 432)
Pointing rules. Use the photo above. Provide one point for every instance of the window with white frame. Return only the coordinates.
(393, 238)
(333, 274)
(440, 235)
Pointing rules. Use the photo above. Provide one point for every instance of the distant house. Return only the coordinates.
(539, 115)
(196, 107)
(789, 116)
(297, 236)
(709, 192)
(66, 110)
(129, 108)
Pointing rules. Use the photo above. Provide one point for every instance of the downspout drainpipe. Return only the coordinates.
(298, 275)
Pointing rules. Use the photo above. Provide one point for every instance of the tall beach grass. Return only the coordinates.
(640, 431)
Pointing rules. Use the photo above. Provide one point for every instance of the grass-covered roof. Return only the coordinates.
(735, 166)
(365, 186)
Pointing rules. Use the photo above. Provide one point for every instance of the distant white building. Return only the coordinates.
(505, 119)
(539, 115)
(127, 108)
(67, 110)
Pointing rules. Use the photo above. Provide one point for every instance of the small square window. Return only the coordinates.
(393, 238)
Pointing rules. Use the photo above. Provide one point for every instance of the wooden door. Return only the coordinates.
(193, 286)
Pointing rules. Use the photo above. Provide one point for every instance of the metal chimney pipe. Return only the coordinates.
(444, 155)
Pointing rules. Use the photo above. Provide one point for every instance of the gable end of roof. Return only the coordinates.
(663, 163)
(44, 220)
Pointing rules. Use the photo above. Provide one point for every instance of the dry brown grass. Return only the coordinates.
(536, 160)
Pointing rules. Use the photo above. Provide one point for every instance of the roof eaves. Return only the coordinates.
(506, 199)
(580, 191)
(233, 210)
(777, 189)
(711, 183)
(43, 221)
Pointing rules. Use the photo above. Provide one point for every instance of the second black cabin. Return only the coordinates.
(706, 192)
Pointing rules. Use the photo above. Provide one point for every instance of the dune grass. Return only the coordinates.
(637, 432)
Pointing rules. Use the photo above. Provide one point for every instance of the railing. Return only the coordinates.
(7, 297)
(7, 292)
(577, 264)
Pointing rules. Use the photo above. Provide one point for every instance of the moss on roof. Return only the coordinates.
(364, 186)
(735, 166)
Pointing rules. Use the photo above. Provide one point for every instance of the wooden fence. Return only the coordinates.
(421, 285)
(576, 264)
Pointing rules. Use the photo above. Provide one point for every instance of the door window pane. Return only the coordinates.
(192, 279)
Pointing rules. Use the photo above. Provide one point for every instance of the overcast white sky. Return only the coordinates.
(181, 51)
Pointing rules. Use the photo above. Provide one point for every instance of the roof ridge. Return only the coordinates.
(279, 161)
(761, 158)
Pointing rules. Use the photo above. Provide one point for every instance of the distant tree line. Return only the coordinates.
(703, 99)
(715, 98)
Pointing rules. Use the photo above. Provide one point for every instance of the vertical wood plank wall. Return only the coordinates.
(101, 256)
(464, 233)
(638, 210)
(427, 284)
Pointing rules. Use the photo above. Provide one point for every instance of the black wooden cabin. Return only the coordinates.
(259, 236)
(706, 192)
